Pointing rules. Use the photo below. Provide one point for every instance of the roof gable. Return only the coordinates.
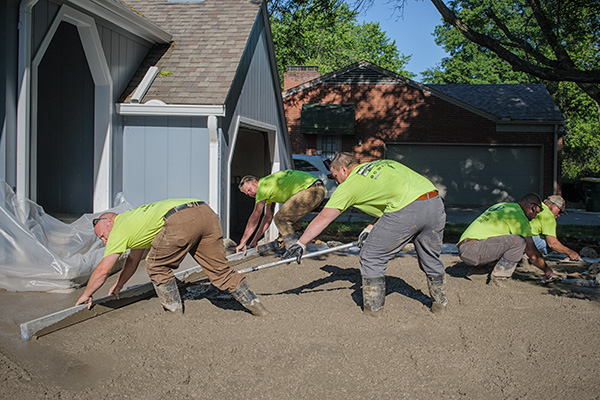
(209, 38)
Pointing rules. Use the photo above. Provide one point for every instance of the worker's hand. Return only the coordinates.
(83, 299)
(295, 250)
(240, 248)
(573, 256)
(115, 290)
(363, 236)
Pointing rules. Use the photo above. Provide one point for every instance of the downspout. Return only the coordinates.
(142, 88)
(213, 164)
(555, 162)
(24, 100)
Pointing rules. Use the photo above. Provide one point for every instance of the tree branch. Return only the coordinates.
(563, 72)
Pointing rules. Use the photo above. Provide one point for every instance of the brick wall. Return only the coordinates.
(401, 113)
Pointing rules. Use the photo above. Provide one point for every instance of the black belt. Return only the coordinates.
(318, 182)
(182, 207)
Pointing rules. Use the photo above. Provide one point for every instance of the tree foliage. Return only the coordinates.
(326, 33)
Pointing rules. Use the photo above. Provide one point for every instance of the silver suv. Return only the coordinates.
(317, 166)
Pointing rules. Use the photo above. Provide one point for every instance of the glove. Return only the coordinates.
(363, 237)
(295, 250)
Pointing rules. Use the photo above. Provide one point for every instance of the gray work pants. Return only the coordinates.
(421, 222)
(481, 252)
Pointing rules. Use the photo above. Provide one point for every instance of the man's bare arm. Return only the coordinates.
(98, 278)
(536, 258)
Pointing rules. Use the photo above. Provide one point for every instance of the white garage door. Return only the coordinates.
(473, 175)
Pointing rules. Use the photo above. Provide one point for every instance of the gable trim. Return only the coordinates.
(124, 18)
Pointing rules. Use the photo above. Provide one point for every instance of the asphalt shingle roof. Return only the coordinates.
(209, 38)
(524, 102)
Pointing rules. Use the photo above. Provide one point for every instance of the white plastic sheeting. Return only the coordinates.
(39, 252)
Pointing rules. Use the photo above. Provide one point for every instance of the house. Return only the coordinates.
(155, 99)
(479, 144)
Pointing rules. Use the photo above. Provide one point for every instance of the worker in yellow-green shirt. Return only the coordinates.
(300, 193)
(545, 224)
(406, 207)
(500, 236)
(170, 229)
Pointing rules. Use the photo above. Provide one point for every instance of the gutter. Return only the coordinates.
(158, 108)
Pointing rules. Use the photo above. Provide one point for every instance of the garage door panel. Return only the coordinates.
(474, 175)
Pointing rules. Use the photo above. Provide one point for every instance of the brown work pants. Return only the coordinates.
(297, 207)
(196, 231)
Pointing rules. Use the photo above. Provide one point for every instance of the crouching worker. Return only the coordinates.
(500, 236)
(300, 193)
(170, 229)
(407, 207)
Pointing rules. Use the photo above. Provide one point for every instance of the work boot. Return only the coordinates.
(373, 296)
(290, 239)
(248, 299)
(501, 272)
(437, 287)
(497, 280)
(168, 294)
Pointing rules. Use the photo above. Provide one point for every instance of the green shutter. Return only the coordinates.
(327, 119)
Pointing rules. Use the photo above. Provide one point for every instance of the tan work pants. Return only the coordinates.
(196, 231)
(297, 207)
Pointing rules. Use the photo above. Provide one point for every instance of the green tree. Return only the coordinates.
(326, 33)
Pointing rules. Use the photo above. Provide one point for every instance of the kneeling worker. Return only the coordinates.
(407, 207)
(500, 235)
(300, 193)
(170, 228)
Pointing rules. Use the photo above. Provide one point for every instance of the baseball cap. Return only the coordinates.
(557, 201)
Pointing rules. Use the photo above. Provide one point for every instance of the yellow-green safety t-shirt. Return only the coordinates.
(379, 187)
(280, 186)
(135, 229)
(544, 223)
(499, 220)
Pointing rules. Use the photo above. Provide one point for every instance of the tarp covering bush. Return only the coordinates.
(40, 253)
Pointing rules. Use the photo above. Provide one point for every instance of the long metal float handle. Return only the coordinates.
(293, 259)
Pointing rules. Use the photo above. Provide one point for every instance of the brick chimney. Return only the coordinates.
(298, 74)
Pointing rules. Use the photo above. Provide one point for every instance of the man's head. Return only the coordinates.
(103, 225)
(531, 204)
(556, 204)
(248, 185)
(342, 165)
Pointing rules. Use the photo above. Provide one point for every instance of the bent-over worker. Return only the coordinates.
(407, 208)
(500, 235)
(300, 193)
(171, 229)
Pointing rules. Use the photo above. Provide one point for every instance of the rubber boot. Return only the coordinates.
(168, 294)
(373, 296)
(437, 288)
(248, 299)
(501, 272)
(290, 239)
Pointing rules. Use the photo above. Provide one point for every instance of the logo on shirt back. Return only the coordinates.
(375, 167)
